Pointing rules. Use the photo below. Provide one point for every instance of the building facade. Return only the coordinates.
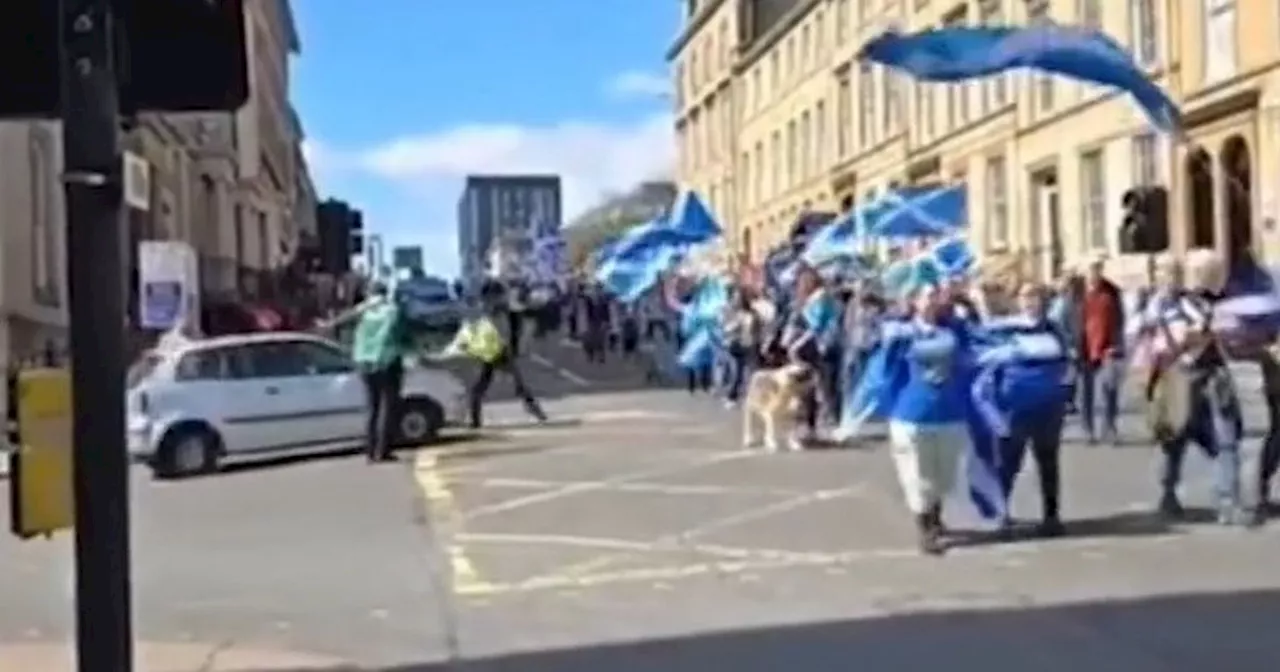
(407, 257)
(508, 210)
(1046, 160)
(233, 185)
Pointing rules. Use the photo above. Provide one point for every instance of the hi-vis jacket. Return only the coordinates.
(479, 339)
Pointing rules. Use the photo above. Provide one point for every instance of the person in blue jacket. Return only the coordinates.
(929, 409)
(1035, 410)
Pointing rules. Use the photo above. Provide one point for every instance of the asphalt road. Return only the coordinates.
(635, 534)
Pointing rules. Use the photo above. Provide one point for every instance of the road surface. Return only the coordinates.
(634, 533)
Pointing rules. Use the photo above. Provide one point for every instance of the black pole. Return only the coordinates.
(91, 168)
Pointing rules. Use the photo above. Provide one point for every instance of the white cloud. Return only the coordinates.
(591, 158)
(639, 84)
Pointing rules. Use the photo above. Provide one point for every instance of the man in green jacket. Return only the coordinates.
(379, 347)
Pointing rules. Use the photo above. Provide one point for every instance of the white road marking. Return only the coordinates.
(560, 370)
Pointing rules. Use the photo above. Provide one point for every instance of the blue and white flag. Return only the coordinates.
(918, 212)
(959, 53)
(953, 256)
(550, 258)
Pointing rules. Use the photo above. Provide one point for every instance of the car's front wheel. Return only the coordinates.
(187, 450)
(420, 422)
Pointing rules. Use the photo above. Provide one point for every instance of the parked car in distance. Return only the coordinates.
(194, 404)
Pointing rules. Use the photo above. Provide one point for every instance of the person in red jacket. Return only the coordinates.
(1102, 352)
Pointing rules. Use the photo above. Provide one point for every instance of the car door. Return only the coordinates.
(290, 412)
(219, 386)
(337, 389)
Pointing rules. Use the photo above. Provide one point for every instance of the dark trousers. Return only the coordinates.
(480, 387)
(742, 361)
(1041, 435)
(382, 389)
(1269, 462)
(698, 379)
(515, 324)
(831, 381)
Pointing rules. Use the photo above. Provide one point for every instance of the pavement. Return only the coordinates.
(634, 533)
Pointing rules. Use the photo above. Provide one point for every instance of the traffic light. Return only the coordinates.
(181, 55)
(1145, 227)
(170, 56)
(357, 232)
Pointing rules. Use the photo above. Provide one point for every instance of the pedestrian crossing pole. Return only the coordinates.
(95, 264)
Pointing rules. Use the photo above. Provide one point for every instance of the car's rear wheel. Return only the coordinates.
(187, 450)
(420, 422)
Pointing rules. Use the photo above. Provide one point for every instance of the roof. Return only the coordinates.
(240, 339)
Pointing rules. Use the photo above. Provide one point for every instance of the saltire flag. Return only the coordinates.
(963, 52)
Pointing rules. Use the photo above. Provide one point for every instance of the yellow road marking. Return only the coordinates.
(680, 540)
(671, 573)
(464, 577)
(633, 547)
(602, 485)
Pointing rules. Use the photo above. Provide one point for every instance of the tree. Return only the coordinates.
(583, 239)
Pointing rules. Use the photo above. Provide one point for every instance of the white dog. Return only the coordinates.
(774, 400)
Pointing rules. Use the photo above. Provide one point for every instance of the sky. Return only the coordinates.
(400, 102)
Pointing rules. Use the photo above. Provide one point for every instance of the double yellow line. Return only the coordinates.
(442, 507)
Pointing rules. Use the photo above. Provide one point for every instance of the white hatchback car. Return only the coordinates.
(193, 404)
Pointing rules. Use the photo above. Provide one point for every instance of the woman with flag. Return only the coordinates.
(1032, 386)
(919, 379)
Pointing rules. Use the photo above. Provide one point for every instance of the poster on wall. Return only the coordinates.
(168, 284)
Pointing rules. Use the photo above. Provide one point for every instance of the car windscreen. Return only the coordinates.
(141, 369)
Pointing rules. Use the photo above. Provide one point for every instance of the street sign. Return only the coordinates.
(136, 172)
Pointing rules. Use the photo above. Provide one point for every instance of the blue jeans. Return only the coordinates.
(1216, 425)
(1101, 379)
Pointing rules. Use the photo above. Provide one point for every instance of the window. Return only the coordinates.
(319, 359)
(1146, 169)
(713, 148)
(694, 80)
(758, 188)
(1093, 187)
(775, 73)
(806, 43)
(844, 116)
(888, 101)
(995, 90)
(820, 33)
(1142, 24)
(44, 236)
(744, 163)
(793, 149)
(680, 85)
(789, 60)
(863, 9)
(757, 85)
(723, 41)
(1219, 39)
(142, 369)
(820, 153)
(203, 365)
(842, 21)
(775, 158)
(1038, 13)
(1089, 13)
(997, 202)
(958, 93)
(806, 158)
(264, 241)
(925, 112)
(866, 105)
